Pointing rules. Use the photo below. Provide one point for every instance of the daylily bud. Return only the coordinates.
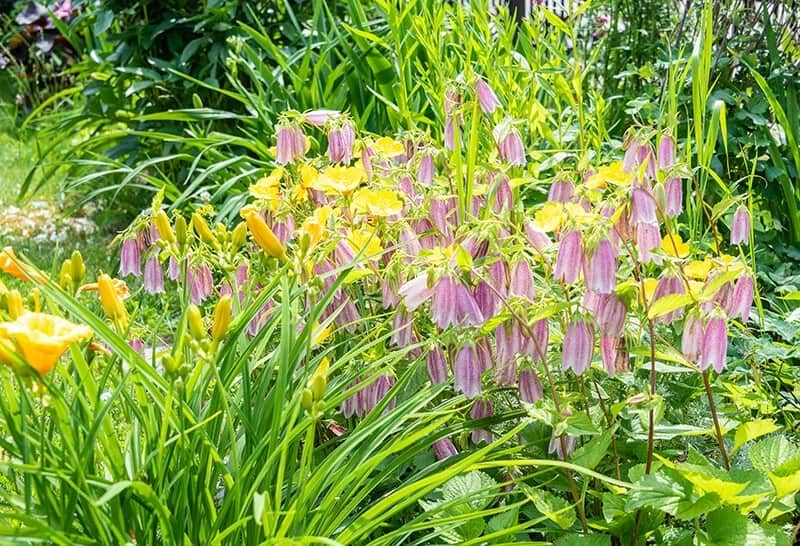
(194, 319)
(307, 400)
(467, 371)
(181, 231)
(578, 346)
(78, 268)
(239, 236)
(569, 260)
(319, 379)
(222, 318)
(264, 236)
(204, 232)
(740, 228)
(65, 275)
(15, 305)
(161, 220)
(714, 348)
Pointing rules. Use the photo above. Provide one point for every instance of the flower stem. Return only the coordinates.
(717, 428)
(651, 414)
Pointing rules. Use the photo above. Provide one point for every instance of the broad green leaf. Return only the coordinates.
(751, 430)
(590, 454)
(785, 485)
(575, 539)
(727, 527)
(468, 485)
(769, 454)
(667, 304)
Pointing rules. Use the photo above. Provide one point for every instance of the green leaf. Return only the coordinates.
(554, 508)
(466, 486)
(590, 454)
(751, 430)
(769, 454)
(576, 539)
(667, 304)
(727, 527)
(670, 493)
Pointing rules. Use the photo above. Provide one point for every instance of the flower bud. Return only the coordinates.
(65, 275)
(307, 400)
(15, 305)
(239, 236)
(319, 379)
(204, 232)
(78, 268)
(161, 220)
(194, 319)
(111, 301)
(264, 236)
(181, 231)
(222, 318)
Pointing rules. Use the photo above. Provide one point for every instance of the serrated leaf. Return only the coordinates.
(468, 486)
(667, 304)
(771, 453)
(751, 430)
(727, 527)
(580, 424)
(575, 539)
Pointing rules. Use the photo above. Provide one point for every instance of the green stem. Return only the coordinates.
(723, 452)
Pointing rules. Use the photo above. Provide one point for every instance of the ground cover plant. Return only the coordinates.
(453, 307)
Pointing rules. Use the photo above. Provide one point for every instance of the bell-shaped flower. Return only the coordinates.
(530, 387)
(570, 258)
(467, 371)
(714, 347)
(578, 346)
(601, 268)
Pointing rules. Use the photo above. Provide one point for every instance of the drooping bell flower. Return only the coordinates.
(714, 347)
(530, 387)
(742, 298)
(578, 346)
(290, 145)
(449, 133)
(608, 354)
(340, 143)
(483, 350)
(426, 170)
(390, 296)
(173, 269)
(666, 152)
(509, 145)
(201, 283)
(409, 242)
(561, 191)
(402, 330)
(380, 388)
(643, 207)
(521, 282)
(503, 195)
(453, 304)
(441, 211)
(570, 257)
(319, 118)
(648, 238)
(153, 276)
(610, 315)
(260, 318)
(692, 337)
(669, 285)
(722, 298)
(415, 292)
(436, 363)
(507, 345)
(536, 346)
(673, 189)
(601, 268)
(444, 448)
(486, 97)
(536, 237)
(559, 444)
(284, 228)
(487, 300)
(467, 371)
(130, 262)
(506, 373)
(481, 409)
(740, 228)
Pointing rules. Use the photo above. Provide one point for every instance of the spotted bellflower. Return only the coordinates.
(714, 346)
(486, 97)
(740, 228)
(467, 372)
(570, 258)
(601, 268)
(130, 262)
(530, 387)
(153, 276)
(578, 346)
(437, 365)
(481, 409)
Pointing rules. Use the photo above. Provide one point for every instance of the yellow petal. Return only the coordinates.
(673, 245)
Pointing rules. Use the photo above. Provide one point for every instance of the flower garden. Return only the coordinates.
(358, 282)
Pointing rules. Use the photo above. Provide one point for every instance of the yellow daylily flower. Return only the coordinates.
(648, 289)
(268, 188)
(673, 245)
(549, 217)
(336, 179)
(388, 147)
(315, 226)
(111, 301)
(697, 269)
(377, 202)
(609, 174)
(365, 242)
(118, 284)
(9, 263)
(41, 339)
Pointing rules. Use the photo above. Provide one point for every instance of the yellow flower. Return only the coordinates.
(10, 264)
(609, 174)
(268, 188)
(648, 289)
(699, 269)
(41, 339)
(377, 202)
(315, 226)
(549, 217)
(336, 179)
(673, 245)
(388, 147)
(111, 301)
(365, 242)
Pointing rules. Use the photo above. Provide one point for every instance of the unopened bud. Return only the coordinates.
(78, 268)
(307, 400)
(239, 236)
(161, 220)
(195, 319)
(15, 306)
(181, 231)
(65, 275)
(264, 236)
(222, 318)
(203, 231)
